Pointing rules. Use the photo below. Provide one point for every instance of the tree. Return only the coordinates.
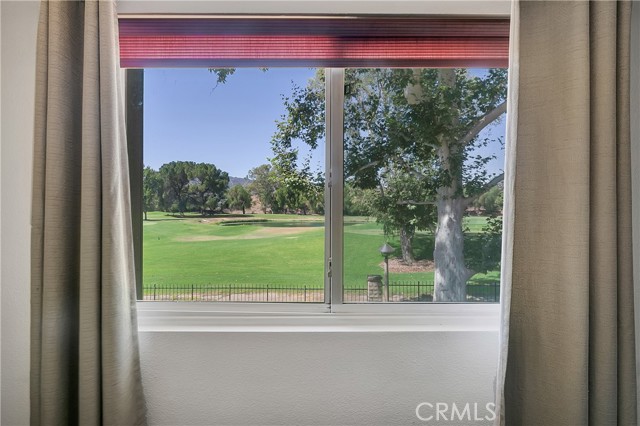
(239, 198)
(190, 186)
(491, 201)
(357, 201)
(296, 187)
(284, 185)
(207, 186)
(305, 121)
(176, 177)
(263, 185)
(391, 205)
(151, 190)
(424, 122)
(484, 252)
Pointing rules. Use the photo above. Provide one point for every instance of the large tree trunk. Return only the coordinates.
(451, 274)
(406, 243)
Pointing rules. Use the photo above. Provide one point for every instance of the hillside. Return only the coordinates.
(233, 181)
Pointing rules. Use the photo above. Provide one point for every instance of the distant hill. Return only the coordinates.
(233, 181)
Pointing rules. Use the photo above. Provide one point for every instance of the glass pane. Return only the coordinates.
(234, 201)
(423, 187)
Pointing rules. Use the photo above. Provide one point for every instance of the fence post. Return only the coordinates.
(305, 293)
(374, 288)
(267, 293)
(229, 292)
(192, 292)
(154, 292)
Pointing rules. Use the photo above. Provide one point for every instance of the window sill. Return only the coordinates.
(293, 318)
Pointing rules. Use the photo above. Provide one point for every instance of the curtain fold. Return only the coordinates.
(568, 347)
(84, 348)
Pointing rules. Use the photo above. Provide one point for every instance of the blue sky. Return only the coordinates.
(186, 119)
(230, 126)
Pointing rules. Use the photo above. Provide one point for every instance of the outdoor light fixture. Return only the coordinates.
(386, 250)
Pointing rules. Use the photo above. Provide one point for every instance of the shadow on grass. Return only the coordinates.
(176, 216)
(230, 215)
(165, 219)
(422, 247)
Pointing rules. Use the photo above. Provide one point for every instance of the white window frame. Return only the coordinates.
(203, 317)
(263, 316)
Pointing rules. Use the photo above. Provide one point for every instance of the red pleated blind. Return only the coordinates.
(313, 42)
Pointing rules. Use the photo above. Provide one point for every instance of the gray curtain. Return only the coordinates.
(568, 321)
(84, 349)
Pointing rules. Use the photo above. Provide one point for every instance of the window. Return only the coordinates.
(403, 206)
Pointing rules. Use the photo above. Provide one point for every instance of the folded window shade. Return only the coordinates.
(314, 42)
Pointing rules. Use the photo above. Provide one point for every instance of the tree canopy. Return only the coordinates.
(181, 186)
(411, 134)
(151, 190)
(239, 198)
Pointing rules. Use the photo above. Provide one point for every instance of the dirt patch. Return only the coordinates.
(399, 266)
(265, 232)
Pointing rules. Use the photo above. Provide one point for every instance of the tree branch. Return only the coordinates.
(493, 182)
(366, 166)
(410, 170)
(483, 122)
(408, 139)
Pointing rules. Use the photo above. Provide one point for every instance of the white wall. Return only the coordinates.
(312, 378)
(19, 20)
(226, 378)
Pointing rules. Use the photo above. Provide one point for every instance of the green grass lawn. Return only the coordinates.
(195, 250)
(474, 224)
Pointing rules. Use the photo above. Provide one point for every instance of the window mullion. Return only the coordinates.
(334, 80)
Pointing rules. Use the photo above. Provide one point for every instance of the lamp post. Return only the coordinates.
(386, 250)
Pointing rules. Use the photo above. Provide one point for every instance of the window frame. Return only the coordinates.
(334, 217)
(333, 253)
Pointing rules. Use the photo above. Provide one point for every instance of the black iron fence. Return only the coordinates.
(414, 291)
(420, 291)
(234, 293)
